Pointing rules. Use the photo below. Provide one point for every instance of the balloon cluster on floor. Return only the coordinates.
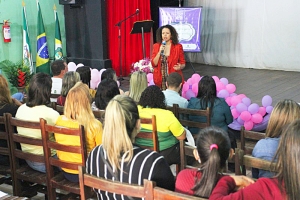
(245, 113)
(95, 74)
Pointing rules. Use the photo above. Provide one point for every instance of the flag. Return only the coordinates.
(27, 57)
(42, 55)
(58, 54)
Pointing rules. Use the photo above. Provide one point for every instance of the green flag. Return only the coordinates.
(27, 57)
(58, 54)
(42, 55)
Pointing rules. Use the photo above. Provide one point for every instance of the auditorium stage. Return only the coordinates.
(254, 83)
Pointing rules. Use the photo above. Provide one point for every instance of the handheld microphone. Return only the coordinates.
(137, 11)
(164, 44)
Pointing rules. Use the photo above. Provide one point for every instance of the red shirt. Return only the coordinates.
(176, 56)
(185, 181)
(263, 188)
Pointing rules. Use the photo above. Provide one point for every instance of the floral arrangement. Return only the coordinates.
(18, 73)
(143, 65)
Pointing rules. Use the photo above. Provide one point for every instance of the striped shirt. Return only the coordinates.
(145, 164)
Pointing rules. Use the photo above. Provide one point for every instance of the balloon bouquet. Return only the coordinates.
(245, 113)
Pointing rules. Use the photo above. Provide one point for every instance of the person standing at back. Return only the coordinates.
(58, 68)
(174, 83)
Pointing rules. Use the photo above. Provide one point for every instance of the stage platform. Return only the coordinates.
(254, 83)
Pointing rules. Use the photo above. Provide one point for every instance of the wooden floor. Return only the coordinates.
(254, 83)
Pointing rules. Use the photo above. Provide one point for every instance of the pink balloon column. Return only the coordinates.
(245, 113)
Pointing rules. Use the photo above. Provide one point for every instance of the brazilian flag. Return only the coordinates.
(42, 55)
(58, 54)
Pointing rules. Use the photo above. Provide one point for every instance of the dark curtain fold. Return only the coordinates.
(118, 10)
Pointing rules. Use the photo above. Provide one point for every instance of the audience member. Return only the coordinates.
(285, 185)
(110, 74)
(58, 68)
(207, 97)
(174, 83)
(77, 111)
(213, 147)
(39, 92)
(68, 81)
(138, 83)
(284, 112)
(118, 159)
(106, 90)
(7, 105)
(169, 129)
(85, 76)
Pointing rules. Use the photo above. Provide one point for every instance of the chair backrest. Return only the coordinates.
(185, 150)
(183, 117)
(250, 136)
(4, 151)
(20, 172)
(132, 190)
(53, 181)
(149, 135)
(241, 159)
(161, 193)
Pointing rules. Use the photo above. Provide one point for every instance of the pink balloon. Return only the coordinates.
(100, 73)
(269, 109)
(235, 113)
(189, 94)
(223, 94)
(253, 108)
(230, 88)
(228, 101)
(185, 87)
(151, 83)
(71, 67)
(262, 111)
(235, 100)
(216, 78)
(196, 78)
(246, 101)
(93, 85)
(195, 88)
(240, 121)
(80, 65)
(248, 125)
(233, 94)
(240, 107)
(256, 118)
(242, 96)
(219, 86)
(245, 115)
(189, 81)
(149, 77)
(224, 81)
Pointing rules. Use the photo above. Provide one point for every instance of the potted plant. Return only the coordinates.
(18, 74)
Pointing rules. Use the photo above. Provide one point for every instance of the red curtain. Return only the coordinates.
(118, 10)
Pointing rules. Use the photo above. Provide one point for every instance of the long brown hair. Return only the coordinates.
(284, 112)
(5, 97)
(213, 146)
(288, 165)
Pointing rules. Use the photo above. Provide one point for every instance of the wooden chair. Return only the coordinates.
(163, 194)
(149, 135)
(4, 151)
(57, 181)
(23, 172)
(241, 159)
(132, 190)
(250, 136)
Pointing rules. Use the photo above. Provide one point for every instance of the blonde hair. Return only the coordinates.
(121, 116)
(68, 81)
(5, 97)
(78, 107)
(138, 83)
(284, 112)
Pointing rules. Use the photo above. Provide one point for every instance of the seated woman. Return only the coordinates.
(85, 77)
(138, 83)
(118, 159)
(169, 129)
(207, 97)
(7, 105)
(68, 81)
(38, 98)
(284, 112)
(285, 185)
(110, 74)
(213, 148)
(77, 111)
(106, 90)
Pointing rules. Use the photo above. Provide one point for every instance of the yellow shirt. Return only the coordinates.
(92, 139)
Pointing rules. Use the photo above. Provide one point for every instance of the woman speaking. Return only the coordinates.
(167, 55)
